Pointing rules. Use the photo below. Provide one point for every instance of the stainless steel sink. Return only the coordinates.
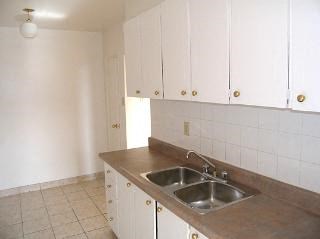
(174, 177)
(210, 195)
(198, 191)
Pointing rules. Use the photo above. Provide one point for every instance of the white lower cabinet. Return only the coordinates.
(125, 208)
(144, 215)
(194, 234)
(133, 214)
(169, 225)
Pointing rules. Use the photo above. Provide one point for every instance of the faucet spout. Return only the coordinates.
(201, 157)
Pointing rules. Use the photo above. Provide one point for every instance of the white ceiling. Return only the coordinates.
(83, 15)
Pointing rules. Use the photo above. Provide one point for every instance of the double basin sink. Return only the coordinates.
(198, 191)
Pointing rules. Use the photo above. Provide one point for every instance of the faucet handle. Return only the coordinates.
(205, 168)
(224, 175)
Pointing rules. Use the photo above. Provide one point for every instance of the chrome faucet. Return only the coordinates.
(207, 164)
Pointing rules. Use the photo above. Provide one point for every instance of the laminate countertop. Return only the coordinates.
(259, 217)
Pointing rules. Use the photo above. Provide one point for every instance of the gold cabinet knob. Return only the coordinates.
(194, 236)
(183, 92)
(110, 201)
(128, 185)
(109, 186)
(148, 202)
(116, 126)
(301, 98)
(236, 93)
(110, 219)
(194, 93)
(108, 171)
(156, 92)
(138, 92)
(159, 209)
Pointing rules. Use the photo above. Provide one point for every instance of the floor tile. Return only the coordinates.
(52, 192)
(81, 236)
(34, 214)
(55, 200)
(36, 225)
(59, 208)
(66, 230)
(95, 191)
(14, 231)
(11, 219)
(45, 234)
(32, 203)
(93, 223)
(61, 219)
(93, 183)
(84, 209)
(10, 200)
(71, 188)
(10, 210)
(76, 196)
(104, 233)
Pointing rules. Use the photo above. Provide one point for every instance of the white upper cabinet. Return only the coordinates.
(305, 77)
(209, 33)
(259, 52)
(176, 50)
(151, 59)
(132, 44)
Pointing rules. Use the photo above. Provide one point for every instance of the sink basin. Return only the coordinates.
(174, 177)
(209, 195)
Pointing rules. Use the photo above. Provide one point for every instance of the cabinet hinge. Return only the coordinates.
(288, 97)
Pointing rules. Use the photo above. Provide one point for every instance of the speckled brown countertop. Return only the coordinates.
(259, 217)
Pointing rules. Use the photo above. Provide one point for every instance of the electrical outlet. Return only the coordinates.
(186, 128)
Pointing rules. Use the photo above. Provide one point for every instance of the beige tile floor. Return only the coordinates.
(74, 211)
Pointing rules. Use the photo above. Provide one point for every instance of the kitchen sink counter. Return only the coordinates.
(261, 217)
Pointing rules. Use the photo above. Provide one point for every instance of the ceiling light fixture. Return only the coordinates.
(28, 29)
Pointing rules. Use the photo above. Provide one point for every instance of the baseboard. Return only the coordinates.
(51, 184)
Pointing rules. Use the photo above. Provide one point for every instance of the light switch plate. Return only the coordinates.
(186, 128)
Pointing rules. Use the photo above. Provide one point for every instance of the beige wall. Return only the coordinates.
(135, 7)
(52, 106)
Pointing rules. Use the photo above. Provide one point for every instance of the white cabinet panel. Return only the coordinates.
(176, 49)
(144, 215)
(209, 32)
(195, 234)
(259, 52)
(151, 59)
(170, 226)
(133, 57)
(305, 55)
(125, 208)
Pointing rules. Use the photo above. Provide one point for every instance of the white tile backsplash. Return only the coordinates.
(267, 164)
(280, 144)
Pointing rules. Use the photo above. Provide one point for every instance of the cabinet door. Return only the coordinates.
(176, 49)
(150, 28)
(132, 44)
(259, 52)
(145, 215)
(305, 76)
(115, 106)
(169, 225)
(209, 25)
(194, 234)
(125, 208)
